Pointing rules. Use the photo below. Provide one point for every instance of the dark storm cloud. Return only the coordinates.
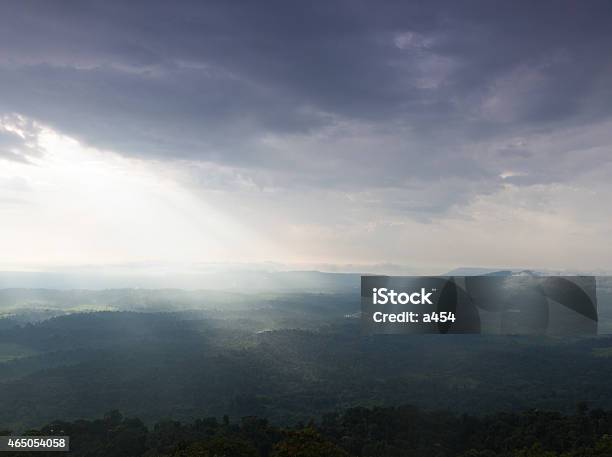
(214, 80)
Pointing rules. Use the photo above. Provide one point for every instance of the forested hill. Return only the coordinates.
(380, 432)
(190, 365)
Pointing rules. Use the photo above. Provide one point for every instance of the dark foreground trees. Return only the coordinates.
(358, 432)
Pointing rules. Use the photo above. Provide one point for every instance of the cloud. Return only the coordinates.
(18, 138)
(207, 79)
(323, 114)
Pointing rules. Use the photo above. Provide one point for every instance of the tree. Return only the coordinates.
(219, 447)
(307, 443)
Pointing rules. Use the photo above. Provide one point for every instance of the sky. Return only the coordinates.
(327, 134)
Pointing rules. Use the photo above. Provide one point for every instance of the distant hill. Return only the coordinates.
(246, 281)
